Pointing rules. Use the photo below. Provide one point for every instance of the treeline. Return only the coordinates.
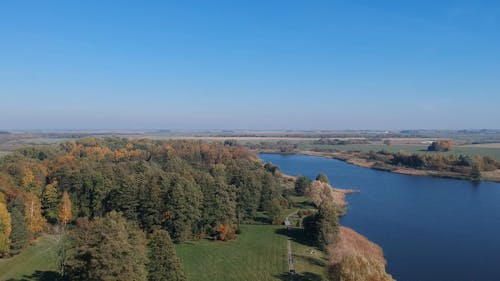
(325, 141)
(466, 165)
(280, 146)
(189, 189)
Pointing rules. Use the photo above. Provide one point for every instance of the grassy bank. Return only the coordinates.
(37, 262)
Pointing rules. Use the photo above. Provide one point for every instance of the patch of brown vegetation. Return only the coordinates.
(351, 242)
(491, 175)
(354, 258)
(360, 162)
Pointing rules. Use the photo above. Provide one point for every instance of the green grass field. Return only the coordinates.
(37, 262)
(259, 253)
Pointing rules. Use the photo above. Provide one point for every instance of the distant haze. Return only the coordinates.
(249, 64)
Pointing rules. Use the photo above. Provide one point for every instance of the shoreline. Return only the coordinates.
(489, 176)
(350, 242)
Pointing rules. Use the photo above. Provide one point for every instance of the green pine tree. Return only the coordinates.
(163, 262)
(19, 237)
(183, 201)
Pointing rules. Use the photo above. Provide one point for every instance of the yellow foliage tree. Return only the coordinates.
(33, 214)
(64, 211)
(5, 227)
(28, 180)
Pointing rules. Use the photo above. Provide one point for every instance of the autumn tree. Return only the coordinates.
(320, 192)
(441, 145)
(163, 263)
(5, 227)
(108, 248)
(33, 214)
(28, 180)
(225, 232)
(50, 199)
(65, 216)
(64, 210)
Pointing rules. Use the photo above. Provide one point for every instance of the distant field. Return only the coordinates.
(37, 262)
(465, 150)
(259, 253)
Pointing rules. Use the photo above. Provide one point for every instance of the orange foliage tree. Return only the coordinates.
(33, 214)
(64, 211)
(5, 227)
(225, 232)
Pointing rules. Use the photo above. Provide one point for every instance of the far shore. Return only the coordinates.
(350, 158)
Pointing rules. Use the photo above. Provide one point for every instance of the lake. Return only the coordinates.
(431, 229)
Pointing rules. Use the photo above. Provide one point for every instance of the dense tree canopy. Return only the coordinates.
(124, 189)
(185, 187)
(107, 249)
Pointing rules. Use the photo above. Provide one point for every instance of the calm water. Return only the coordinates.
(431, 229)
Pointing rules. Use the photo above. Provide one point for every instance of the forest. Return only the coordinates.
(118, 205)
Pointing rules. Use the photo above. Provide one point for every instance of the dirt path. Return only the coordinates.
(291, 268)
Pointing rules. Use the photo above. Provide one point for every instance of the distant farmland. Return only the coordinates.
(464, 150)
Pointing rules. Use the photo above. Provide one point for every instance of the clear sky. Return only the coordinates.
(250, 64)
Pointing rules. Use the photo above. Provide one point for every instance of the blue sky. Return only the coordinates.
(249, 64)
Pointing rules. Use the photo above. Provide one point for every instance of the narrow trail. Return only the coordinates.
(291, 268)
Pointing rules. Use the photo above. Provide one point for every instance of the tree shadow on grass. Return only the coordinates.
(296, 234)
(304, 205)
(262, 220)
(321, 262)
(307, 276)
(39, 276)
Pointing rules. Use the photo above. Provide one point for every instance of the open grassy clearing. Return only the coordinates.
(308, 260)
(259, 253)
(37, 262)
